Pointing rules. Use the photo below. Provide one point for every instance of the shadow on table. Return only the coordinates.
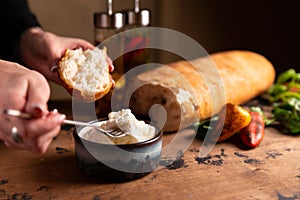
(62, 168)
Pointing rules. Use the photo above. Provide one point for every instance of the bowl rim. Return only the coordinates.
(157, 137)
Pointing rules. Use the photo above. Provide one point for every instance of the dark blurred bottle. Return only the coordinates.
(107, 25)
(136, 37)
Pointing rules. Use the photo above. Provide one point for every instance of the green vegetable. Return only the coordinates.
(285, 97)
(202, 127)
(286, 76)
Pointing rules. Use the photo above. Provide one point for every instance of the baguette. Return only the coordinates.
(196, 90)
(85, 74)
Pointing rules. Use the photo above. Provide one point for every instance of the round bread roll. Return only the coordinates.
(198, 89)
(85, 74)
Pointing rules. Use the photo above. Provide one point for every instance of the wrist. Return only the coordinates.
(26, 42)
(33, 31)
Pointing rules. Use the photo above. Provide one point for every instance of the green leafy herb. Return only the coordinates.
(203, 126)
(285, 97)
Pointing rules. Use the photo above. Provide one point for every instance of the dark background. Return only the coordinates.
(271, 28)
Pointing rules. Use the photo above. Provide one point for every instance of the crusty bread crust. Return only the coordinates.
(82, 93)
(238, 77)
(79, 95)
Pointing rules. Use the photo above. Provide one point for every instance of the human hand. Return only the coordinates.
(28, 91)
(41, 50)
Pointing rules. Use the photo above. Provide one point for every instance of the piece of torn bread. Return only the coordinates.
(85, 74)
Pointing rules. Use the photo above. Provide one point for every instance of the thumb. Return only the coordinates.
(38, 94)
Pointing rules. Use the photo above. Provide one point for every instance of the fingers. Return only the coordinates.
(38, 145)
(38, 93)
(43, 131)
(75, 43)
(79, 43)
(113, 81)
(41, 143)
(41, 126)
(37, 134)
(110, 64)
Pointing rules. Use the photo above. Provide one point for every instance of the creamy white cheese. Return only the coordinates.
(137, 131)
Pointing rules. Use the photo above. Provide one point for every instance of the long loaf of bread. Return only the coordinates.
(197, 89)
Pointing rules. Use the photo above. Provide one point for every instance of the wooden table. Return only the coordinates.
(271, 171)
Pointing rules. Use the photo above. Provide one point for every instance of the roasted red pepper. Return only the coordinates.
(234, 117)
(253, 134)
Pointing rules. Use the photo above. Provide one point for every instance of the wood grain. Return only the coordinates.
(271, 171)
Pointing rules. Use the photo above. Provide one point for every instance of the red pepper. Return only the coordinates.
(253, 134)
(137, 42)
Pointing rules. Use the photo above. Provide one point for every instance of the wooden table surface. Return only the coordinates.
(270, 171)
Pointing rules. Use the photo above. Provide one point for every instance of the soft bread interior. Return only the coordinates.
(86, 71)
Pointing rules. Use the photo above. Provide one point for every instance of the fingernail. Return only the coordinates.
(61, 118)
(53, 112)
(38, 110)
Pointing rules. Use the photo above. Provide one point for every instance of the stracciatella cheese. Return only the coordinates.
(137, 131)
